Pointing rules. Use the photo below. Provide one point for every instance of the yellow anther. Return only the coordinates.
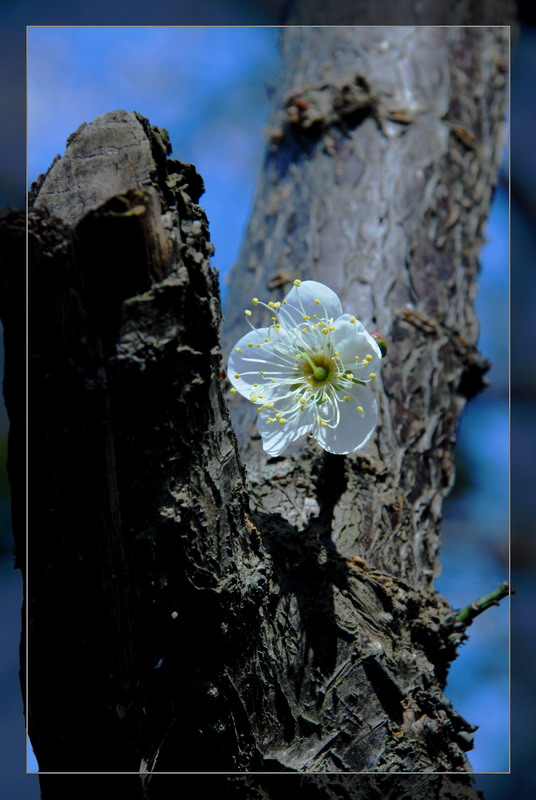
(260, 410)
(314, 316)
(284, 302)
(250, 344)
(266, 340)
(277, 305)
(255, 301)
(325, 330)
(238, 349)
(282, 422)
(273, 380)
(372, 375)
(317, 302)
(360, 409)
(336, 352)
(306, 317)
(297, 283)
(324, 424)
(237, 375)
(271, 304)
(278, 416)
(261, 373)
(346, 398)
(270, 419)
(255, 385)
(253, 398)
(356, 358)
(353, 319)
(257, 345)
(369, 357)
(332, 328)
(304, 330)
(273, 319)
(247, 312)
(232, 391)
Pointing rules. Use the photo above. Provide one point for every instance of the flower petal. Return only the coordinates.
(276, 437)
(301, 301)
(353, 343)
(355, 427)
(252, 355)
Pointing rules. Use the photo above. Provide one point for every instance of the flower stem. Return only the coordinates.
(466, 615)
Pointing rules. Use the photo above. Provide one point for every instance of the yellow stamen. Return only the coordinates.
(238, 349)
(255, 301)
(372, 375)
(232, 391)
(297, 283)
(247, 312)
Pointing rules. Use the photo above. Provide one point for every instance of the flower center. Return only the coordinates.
(316, 368)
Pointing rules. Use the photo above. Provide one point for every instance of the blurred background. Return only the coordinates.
(209, 87)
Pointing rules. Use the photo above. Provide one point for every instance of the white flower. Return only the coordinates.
(307, 372)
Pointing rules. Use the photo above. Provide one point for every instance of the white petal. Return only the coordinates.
(247, 362)
(350, 339)
(355, 428)
(277, 437)
(300, 302)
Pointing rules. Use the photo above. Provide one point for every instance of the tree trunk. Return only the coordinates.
(183, 617)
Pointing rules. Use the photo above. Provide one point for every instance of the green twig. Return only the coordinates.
(467, 614)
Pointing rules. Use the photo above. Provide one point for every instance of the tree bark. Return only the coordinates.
(182, 616)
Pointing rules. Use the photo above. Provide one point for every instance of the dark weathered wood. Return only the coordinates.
(178, 621)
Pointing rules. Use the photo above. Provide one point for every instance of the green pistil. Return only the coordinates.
(319, 373)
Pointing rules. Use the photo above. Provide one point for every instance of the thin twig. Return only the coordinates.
(467, 614)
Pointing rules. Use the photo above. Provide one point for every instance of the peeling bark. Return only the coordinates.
(185, 617)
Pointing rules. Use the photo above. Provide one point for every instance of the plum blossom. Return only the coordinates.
(308, 372)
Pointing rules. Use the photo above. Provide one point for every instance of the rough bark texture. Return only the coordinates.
(383, 155)
(172, 626)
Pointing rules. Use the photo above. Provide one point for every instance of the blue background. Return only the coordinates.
(208, 87)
